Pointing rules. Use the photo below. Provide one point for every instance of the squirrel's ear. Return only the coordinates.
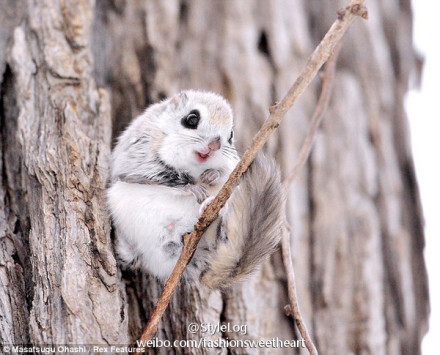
(179, 100)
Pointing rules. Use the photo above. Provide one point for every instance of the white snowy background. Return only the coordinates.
(423, 108)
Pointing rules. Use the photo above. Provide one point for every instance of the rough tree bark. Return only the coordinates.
(70, 70)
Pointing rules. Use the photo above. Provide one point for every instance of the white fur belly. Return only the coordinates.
(150, 221)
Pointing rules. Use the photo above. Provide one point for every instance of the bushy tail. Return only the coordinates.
(250, 227)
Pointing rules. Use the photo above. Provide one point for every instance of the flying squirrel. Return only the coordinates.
(166, 166)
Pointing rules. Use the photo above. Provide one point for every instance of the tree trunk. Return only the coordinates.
(70, 70)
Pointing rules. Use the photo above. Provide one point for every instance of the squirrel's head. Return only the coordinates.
(197, 131)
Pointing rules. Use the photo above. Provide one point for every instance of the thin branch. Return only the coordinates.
(318, 113)
(324, 99)
(277, 112)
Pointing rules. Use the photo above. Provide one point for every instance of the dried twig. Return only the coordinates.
(277, 112)
(324, 99)
(318, 113)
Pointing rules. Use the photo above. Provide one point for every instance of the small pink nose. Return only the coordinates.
(215, 144)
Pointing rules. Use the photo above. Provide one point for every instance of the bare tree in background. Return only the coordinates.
(71, 70)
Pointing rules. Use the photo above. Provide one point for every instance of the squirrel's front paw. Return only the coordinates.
(209, 176)
(205, 204)
(198, 191)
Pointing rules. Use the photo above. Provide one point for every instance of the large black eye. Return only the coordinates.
(230, 137)
(191, 120)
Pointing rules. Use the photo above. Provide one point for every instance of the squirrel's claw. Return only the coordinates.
(209, 176)
(205, 204)
(198, 191)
